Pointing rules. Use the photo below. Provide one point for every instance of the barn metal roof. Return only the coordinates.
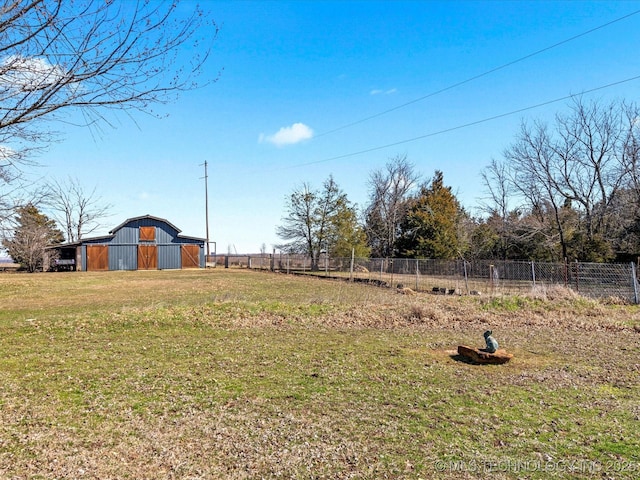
(133, 219)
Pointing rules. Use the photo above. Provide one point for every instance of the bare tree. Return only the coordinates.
(590, 150)
(501, 192)
(579, 166)
(536, 177)
(313, 220)
(498, 182)
(627, 206)
(389, 190)
(7, 206)
(90, 56)
(77, 211)
(14, 194)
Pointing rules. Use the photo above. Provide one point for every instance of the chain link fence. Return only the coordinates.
(448, 277)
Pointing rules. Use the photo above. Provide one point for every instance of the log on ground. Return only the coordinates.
(478, 356)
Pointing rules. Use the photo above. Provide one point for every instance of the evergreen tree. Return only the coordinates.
(430, 229)
(349, 235)
(34, 232)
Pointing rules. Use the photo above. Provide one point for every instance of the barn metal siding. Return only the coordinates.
(123, 257)
(97, 241)
(130, 232)
(183, 240)
(169, 257)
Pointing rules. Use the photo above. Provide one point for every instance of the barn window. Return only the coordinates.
(147, 234)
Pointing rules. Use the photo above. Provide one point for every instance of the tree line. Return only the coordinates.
(569, 190)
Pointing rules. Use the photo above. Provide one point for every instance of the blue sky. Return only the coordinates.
(293, 71)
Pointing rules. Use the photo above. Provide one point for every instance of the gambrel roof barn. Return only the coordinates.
(139, 243)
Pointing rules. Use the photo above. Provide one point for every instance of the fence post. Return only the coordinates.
(353, 254)
(491, 285)
(533, 274)
(466, 277)
(417, 273)
(635, 283)
(577, 276)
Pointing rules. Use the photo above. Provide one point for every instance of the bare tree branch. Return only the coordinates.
(77, 211)
(56, 56)
(389, 190)
(575, 173)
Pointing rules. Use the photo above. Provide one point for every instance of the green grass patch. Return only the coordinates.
(226, 374)
(509, 303)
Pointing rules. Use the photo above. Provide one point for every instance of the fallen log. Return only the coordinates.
(478, 356)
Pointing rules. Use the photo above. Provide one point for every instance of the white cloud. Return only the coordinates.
(29, 73)
(288, 135)
(7, 153)
(377, 91)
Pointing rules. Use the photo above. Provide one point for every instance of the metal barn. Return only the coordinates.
(139, 243)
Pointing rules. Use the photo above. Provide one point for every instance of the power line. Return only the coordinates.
(476, 77)
(470, 124)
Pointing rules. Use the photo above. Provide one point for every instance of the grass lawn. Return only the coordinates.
(209, 374)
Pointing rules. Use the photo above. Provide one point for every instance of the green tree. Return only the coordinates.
(485, 240)
(350, 235)
(430, 229)
(33, 233)
(318, 221)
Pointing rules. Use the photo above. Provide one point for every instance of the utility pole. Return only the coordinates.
(206, 207)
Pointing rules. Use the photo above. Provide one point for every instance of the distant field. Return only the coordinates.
(209, 374)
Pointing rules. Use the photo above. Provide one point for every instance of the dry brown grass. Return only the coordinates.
(236, 374)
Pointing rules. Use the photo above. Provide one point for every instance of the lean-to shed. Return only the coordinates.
(139, 243)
